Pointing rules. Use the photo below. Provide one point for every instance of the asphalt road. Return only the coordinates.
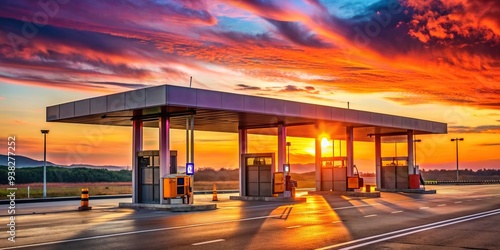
(456, 217)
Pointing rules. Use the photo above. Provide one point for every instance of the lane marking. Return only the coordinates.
(487, 213)
(441, 205)
(418, 231)
(423, 208)
(366, 205)
(370, 215)
(290, 227)
(139, 232)
(458, 201)
(207, 242)
(396, 212)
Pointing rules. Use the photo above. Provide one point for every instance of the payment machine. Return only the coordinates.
(177, 186)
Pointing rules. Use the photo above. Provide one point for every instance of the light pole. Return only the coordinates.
(45, 132)
(456, 140)
(415, 149)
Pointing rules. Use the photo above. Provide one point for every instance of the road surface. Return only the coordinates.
(456, 217)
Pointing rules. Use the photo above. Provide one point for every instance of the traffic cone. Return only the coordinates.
(85, 200)
(214, 192)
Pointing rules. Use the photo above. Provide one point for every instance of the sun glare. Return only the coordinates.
(325, 142)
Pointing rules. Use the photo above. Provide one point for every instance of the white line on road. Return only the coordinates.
(439, 223)
(396, 212)
(441, 205)
(293, 226)
(418, 231)
(139, 232)
(207, 242)
(370, 215)
(423, 208)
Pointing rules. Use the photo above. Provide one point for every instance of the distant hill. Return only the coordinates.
(23, 162)
(302, 168)
(108, 167)
(26, 162)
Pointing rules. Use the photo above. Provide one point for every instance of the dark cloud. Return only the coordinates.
(247, 87)
(293, 88)
(488, 129)
(299, 34)
(488, 144)
(240, 37)
(124, 85)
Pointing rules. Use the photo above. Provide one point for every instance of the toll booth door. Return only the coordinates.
(395, 177)
(259, 176)
(149, 179)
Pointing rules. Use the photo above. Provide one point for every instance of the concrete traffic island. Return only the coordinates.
(169, 207)
(413, 191)
(269, 198)
(347, 193)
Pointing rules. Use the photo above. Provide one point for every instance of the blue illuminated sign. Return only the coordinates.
(190, 168)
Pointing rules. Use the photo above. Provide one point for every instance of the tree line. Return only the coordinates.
(464, 174)
(62, 174)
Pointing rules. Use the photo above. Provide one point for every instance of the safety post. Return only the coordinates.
(214, 192)
(84, 200)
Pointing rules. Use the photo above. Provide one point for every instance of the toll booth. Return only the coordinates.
(257, 174)
(334, 173)
(148, 175)
(394, 174)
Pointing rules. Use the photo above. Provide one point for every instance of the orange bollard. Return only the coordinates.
(84, 205)
(214, 192)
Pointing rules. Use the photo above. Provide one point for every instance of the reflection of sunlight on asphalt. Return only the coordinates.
(315, 219)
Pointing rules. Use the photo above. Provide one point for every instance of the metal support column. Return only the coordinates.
(409, 142)
(243, 149)
(281, 147)
(164, 151)
(282, 153)
(137, 128)
(378, 160)
(191, 201)
(318, 162)
(350, 150)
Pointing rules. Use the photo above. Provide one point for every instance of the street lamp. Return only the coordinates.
(415, 149)
(44, 132)
(456, 146)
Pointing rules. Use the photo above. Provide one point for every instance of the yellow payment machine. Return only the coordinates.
(177, 186)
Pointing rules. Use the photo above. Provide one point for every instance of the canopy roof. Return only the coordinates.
(226, 112)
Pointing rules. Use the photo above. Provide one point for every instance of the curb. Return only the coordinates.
(168, 207)
(96, 197)
(257, 198)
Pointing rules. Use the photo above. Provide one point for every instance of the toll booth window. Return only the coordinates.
(268, 160)
(147, 176)
(259, 161)
(156, 161)
(156, 179)
(143, 162)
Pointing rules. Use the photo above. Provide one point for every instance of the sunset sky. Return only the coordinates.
(431, 59)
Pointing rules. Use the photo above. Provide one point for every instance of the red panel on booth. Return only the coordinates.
(414, 181)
